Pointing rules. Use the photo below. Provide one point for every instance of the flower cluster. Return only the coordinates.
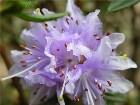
(72, 56)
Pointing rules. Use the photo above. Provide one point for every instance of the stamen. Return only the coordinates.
(104, 91)
(24, 65)
(66, 45)
(34, 46)
(64, 84)
(34, 70)
(62, 30)
(82, 59)
(98, 38)
(76, 98)
(22, 46)
(30, 53)
(43, 98)
(108, 33)
(67, 20)
(95, 35)
(36, 91)
(57, 49)
(46, 25)
(109, 82)
(95, 81)
(23, 71)
(86, 89)
(67, 82)
(22, 61)
(89, 94)
(100, 86)
(113, 50)
(69, 60)
(26, 52)
(75, 66)
(62, 75)
(77, 22)
(71, 18)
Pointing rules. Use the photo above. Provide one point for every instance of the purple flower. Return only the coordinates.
(71, 55)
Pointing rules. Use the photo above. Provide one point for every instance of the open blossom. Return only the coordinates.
(71, 55)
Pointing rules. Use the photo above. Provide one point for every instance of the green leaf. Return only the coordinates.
(121, 4)
(40, 18)
(115, 97)
(16, 6)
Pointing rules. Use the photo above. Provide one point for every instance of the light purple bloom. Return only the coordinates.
(71, 55)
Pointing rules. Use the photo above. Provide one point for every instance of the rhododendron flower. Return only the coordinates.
(71, 55)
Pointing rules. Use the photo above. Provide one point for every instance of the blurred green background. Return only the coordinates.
(125, 20)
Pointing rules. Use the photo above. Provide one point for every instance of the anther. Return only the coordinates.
(35, 92)
(82, 59)
(75, 66)
(43, 99)
(76, 98)
(61, 75)
(66, 45)
(71, 18)
(67, 82)
(30, 53)
(100, 86)
(24, 65)
(95, 35)
(67, 20)
(69, 60)
(22, 61)
(85, 89)
(77, 22)
(26, 53)
(57, 49)
(108, 33)
(34, 70)
(95, 81)
(113, 50)
(34, 46)
(62, 30)
(109, 82)
(46, 25)
(98, 38)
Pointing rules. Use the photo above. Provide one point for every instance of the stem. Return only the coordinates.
(60, 98)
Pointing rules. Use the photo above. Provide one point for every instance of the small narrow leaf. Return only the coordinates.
(121, 4)
(40, 18)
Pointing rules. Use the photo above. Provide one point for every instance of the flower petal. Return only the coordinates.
(122, 86)
(104, 50)
(119, 63)
(79, 49)
(116, 39)
(74, 11)
(16, 55)
(93, 23)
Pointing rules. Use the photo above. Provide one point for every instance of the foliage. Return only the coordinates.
(117, 5)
